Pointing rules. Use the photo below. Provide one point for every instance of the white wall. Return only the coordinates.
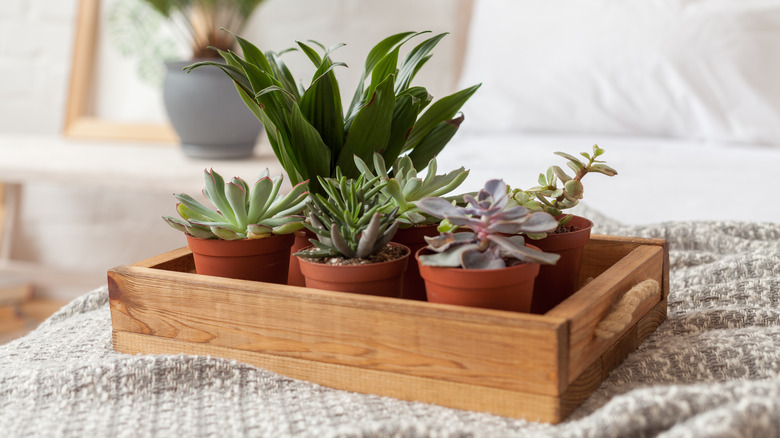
(89, 229)
(35, 53)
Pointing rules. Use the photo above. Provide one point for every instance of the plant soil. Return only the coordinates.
(386, 254)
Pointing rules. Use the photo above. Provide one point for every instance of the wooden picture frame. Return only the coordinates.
(79, 123)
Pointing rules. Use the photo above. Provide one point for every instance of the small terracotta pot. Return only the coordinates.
(383, 279)
(294, 276)
(264, 260)
(558, 282)
(414, 239)
(509, 288)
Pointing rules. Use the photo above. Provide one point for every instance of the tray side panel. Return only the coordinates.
(591, 377)
(603, 251)
(497, 401)
(588, 306)
(509, 351)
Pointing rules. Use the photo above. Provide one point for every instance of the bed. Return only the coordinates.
(682, 95)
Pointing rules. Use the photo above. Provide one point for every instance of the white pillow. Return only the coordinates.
(701, 69)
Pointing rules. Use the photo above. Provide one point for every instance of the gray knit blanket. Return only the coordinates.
(712, 369)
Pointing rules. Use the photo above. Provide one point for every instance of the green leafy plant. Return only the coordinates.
(494, 235)
(551, 198)
(404, 187)
(309, 130)
(349, 222)
(241, 213)
(199, 21)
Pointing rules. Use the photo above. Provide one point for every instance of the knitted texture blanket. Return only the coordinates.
(711, 369)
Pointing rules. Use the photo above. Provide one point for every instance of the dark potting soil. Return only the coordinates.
(386, 254)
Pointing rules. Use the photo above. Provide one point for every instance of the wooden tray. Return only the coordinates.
(537, 367)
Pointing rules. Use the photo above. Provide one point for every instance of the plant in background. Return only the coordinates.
(490, 219)
(550, 198)
(241, 213)
(154, 31)
(309, 130)
(404, 187)
(349, 222)
(199, 21)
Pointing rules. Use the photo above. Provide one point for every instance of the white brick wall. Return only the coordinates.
(36, 39)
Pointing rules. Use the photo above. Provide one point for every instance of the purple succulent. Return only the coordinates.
(495, 231)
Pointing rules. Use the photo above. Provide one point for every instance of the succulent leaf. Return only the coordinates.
(447, 259)
(476, 259)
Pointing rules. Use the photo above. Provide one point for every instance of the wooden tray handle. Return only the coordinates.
(622, 313)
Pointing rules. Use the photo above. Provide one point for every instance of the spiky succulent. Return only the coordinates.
(310, 132)
(494, 235)
(241, 213)
(550, 198)
(350, 222)
(404, 187)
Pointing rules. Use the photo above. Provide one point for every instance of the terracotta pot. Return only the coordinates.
(558, 282)
(414, 239)
(264, 260)
(294, 276)
(381, 279)
(509, 288)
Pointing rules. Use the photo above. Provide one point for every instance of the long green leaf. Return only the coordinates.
(376, 53)
(414, 59)
(385, 67)
(321, 106)
(283, 74)
(407, 108)
(308, 152)
(370, 130)
(439, 111)
(434, 142)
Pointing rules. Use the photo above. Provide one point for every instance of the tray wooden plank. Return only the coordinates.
(505, 350)
(457, 395)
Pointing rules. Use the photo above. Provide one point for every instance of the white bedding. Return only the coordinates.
(659, 179)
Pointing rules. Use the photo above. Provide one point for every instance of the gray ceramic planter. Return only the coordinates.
(207, 113)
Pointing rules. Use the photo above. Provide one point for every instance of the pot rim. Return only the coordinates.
(407, 253)
(518, 266)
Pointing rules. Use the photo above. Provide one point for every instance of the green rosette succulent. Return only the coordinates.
(241, 213)
(405, 187)
(351, 221)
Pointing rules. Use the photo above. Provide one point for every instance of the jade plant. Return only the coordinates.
(404, 187)
(494, 235)
(350, 222)
(549, 197)
(310, 132)
(241, 213)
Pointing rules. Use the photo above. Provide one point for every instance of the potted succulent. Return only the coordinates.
(249, 234)
(558, 282)
(490, 265)
(400, 191)
(209, 119)
(352, 251)
(312, 134)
